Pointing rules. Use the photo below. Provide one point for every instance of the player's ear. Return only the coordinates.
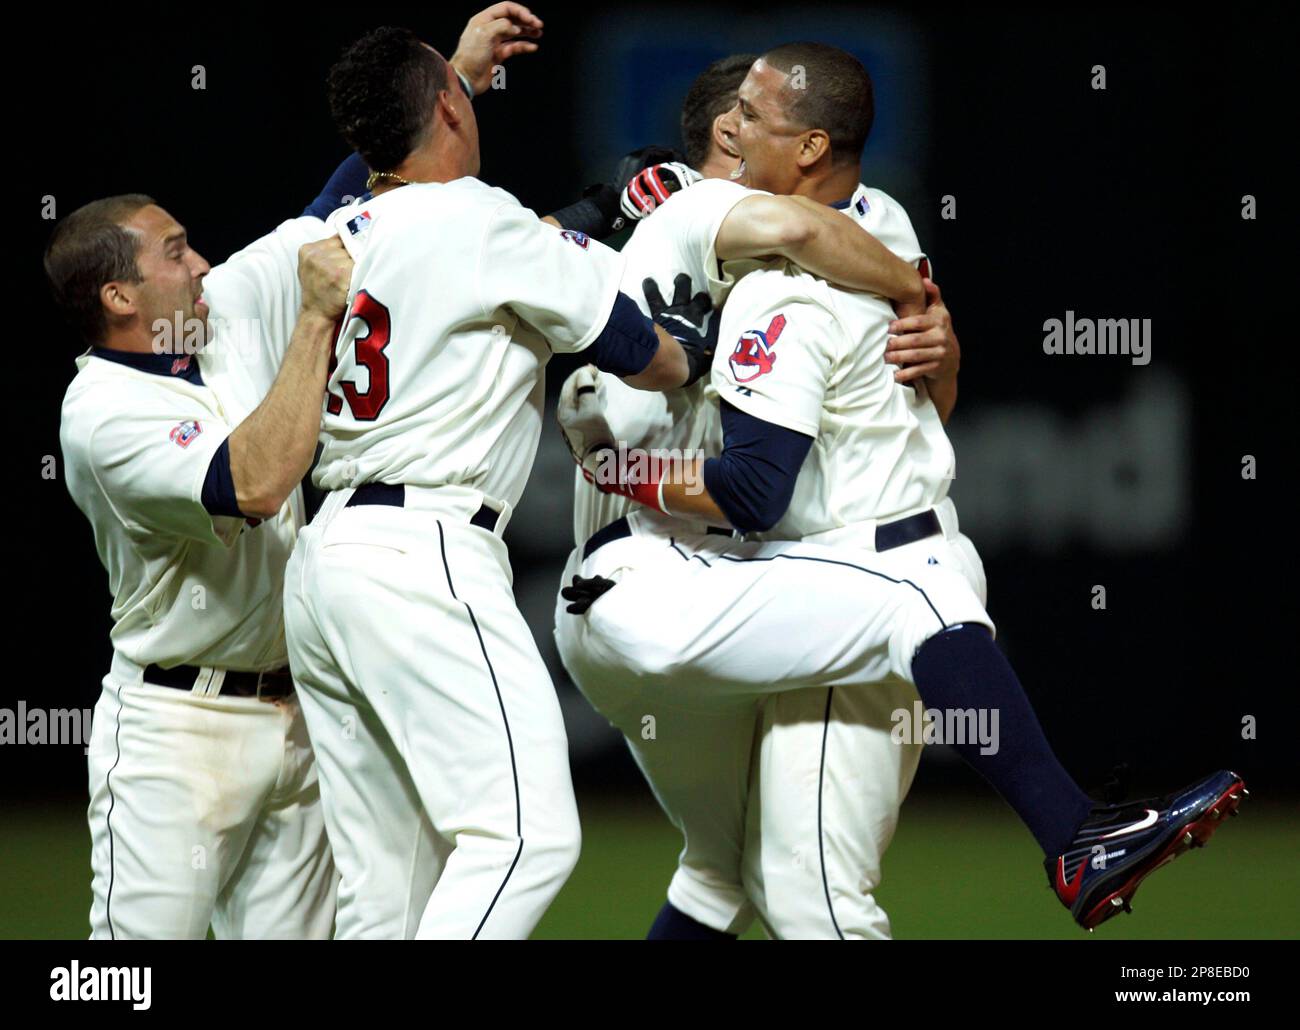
(447, 108)
(814, 145)
(118, 300)
(724, 127)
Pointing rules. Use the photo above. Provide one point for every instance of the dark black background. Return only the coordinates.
(1118, 203)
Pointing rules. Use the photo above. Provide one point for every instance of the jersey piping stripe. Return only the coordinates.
(847, 565)
(672, 542)
(821, 842)
(108, 817)
(514, 770)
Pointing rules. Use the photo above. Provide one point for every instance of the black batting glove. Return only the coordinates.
(687, 321)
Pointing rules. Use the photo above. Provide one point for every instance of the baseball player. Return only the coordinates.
(443, 758)
(204, 804)
(821, 444)
(700, 778)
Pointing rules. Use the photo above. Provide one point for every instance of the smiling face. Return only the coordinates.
(760, 131)
(171, 273)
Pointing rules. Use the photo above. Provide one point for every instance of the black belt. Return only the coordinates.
(394, 495)
(888, 536)
(269, 685)
(618, 529)
(907, 531)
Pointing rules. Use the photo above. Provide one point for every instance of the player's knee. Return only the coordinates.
(554, 854)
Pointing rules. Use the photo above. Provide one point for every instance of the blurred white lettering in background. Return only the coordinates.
(1115, 476)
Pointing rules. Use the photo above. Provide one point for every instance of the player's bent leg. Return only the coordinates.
(829, 781)
(723, 609)
(170, 809)
(285, 885)
(386, 852)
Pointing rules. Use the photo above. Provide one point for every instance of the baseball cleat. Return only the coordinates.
(1118, 846)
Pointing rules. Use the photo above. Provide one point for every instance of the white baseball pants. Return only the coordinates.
(443, 757)
(204, 811)
(705, 636)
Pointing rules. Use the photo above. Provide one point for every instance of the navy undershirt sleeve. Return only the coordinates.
(754, 479)
(627, 343)
(348, 180)
(219, 485)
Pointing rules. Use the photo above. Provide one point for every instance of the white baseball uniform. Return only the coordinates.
(709, 623)
(443, 758)
(204, 808)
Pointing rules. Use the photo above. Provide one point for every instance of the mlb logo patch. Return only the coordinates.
(862, 207)
(356, 226)
(179, 365)
(580, 238)
(754, 355)
(183, 435)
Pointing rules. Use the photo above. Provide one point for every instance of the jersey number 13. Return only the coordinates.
(368, 351)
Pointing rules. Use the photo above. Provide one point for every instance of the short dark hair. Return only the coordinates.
(381, 95)
(87, 249)
(711, 94)
(836, 96)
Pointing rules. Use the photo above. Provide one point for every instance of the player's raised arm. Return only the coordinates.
(346, 184)
(271, 450)
(818, 239)
(492, 36)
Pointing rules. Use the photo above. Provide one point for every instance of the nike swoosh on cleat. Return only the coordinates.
(1067, 892)
(1148, 820)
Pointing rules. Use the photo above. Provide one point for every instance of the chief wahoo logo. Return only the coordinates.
(754, 355)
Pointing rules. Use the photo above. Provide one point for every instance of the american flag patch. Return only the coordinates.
(861, 207)
(183, 435)
(359, 224)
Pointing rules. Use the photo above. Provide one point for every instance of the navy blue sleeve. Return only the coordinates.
(754, 479)
(219, 485)
(627, 343)
(348, 180)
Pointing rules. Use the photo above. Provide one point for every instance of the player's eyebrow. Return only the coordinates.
(178, 234)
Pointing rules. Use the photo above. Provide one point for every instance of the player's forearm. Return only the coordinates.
(668, 369)
(842, 252)
(820, 240)
(685, 494)
(943, 392)
(271, 450)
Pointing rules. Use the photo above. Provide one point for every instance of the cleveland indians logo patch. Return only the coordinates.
(754, 356)
(183, 435)
(580, 238)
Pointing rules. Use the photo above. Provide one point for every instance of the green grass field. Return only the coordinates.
(955, 871)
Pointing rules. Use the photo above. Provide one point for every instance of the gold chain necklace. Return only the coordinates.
(375, 177)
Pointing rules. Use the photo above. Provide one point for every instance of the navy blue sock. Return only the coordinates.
(962, 668)
(673, 925)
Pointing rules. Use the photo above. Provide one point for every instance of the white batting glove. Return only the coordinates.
(651, 186)
(581, 414)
